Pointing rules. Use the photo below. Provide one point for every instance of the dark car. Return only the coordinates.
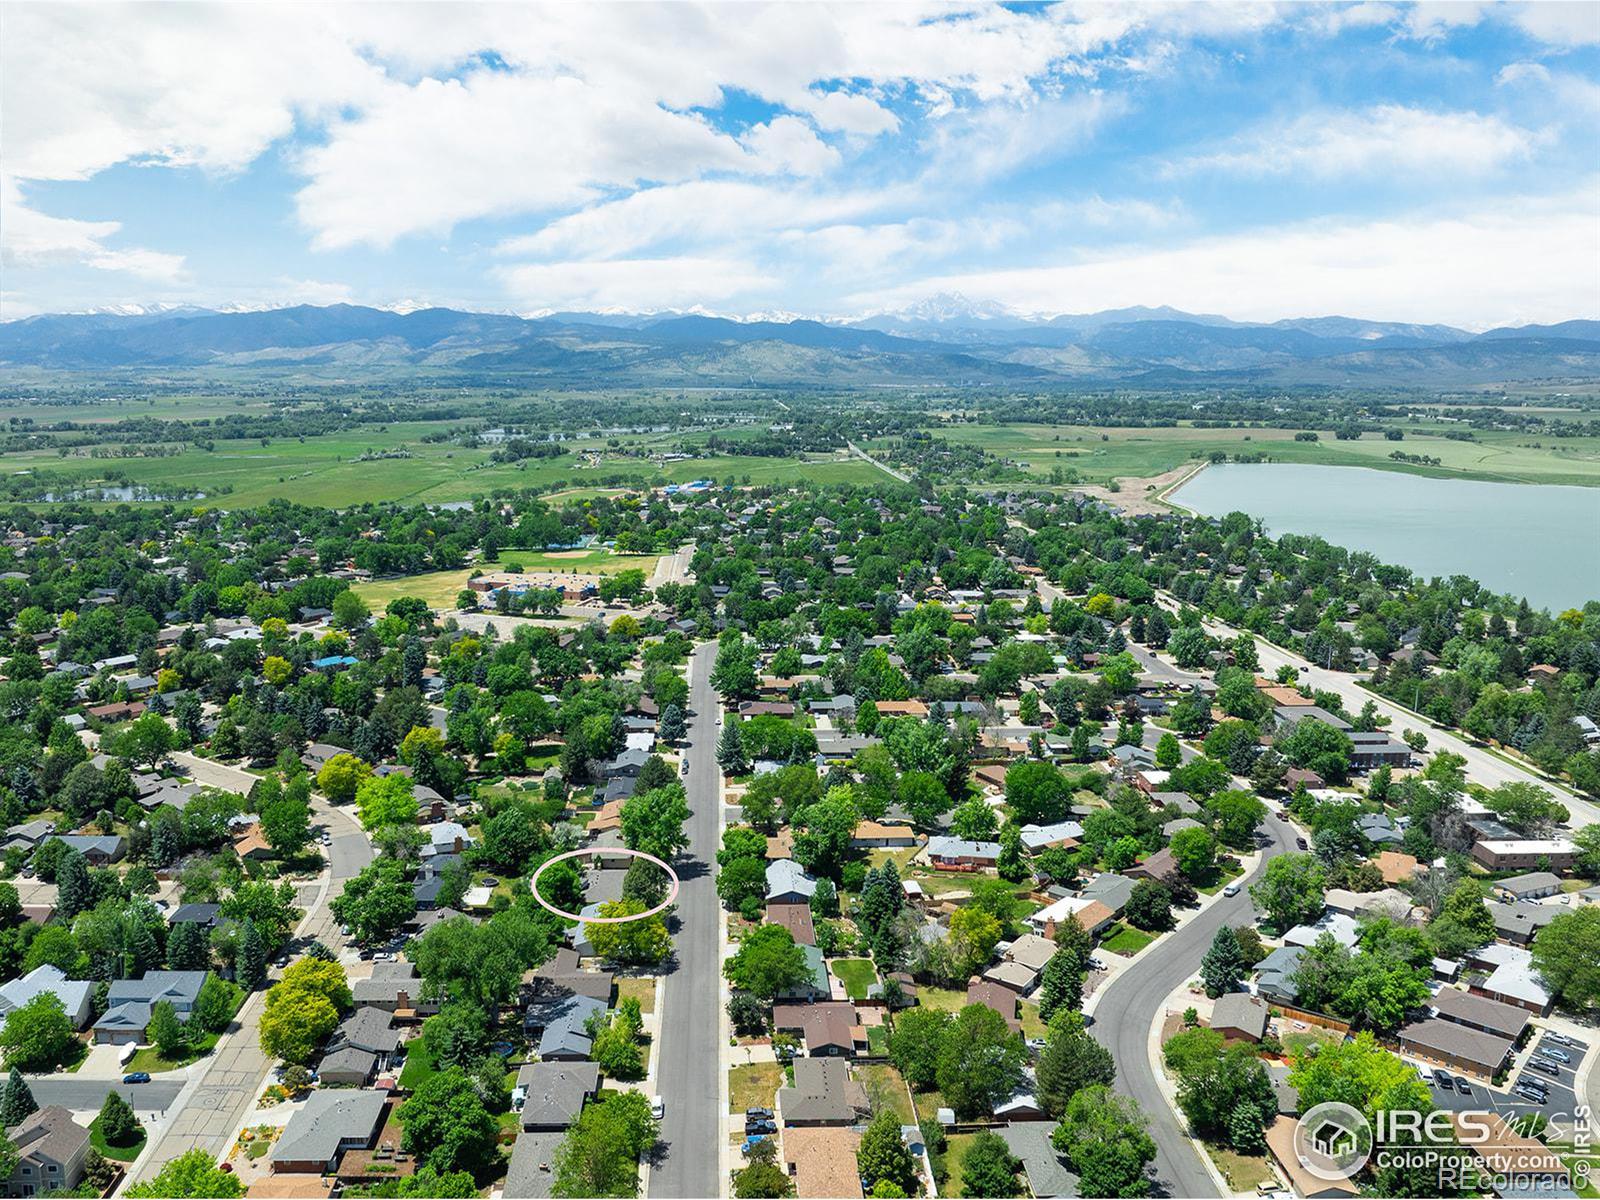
(1463, 1086)
(760, 1125)
(759, 1112)
(1301, 842)
(136, 1077)
(1442, 1079)
(1549, 1068)
(1530, 1095)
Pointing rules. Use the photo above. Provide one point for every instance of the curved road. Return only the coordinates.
(1132, 1004)
(1482, 766)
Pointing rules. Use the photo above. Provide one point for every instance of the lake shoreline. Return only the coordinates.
(1534, 542)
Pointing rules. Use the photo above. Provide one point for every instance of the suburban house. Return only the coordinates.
(99, 850)
(1519, 923)
(823, 1094)
(51, 1148)
(787, 882)
(877, 835)
(395, 988)
(331, 1123)
(959, 854)
(1512, 978)
(1275, 974)
(829, 1028)
(821, 1162)
(1535, 885)
(130, 1002)
(552, 1094)
(76, 995)
(1240, 1015)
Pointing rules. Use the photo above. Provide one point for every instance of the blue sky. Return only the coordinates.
(1430, 162)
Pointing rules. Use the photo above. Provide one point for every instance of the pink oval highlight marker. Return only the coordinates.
(672, 892)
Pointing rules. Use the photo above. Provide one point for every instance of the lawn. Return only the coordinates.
(642, 990)
(886, 1089)
(753, 1085)
(945, 999)
(1126, 940)
(955, 1153)
(878, 1040)
(857, 975)
(419, 1065)
(1242, 1171)
(1033, 1025)
(150, 1059)
(119, 1153)
(1232, 869)
(440, 588)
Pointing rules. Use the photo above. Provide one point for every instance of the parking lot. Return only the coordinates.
(1560, 1104)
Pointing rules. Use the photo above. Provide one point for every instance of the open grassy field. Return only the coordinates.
(338, 469)
(1101, 454)
(439, 588)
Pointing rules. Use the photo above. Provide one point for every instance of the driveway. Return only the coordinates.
(1130, 1006)
(688, 1060)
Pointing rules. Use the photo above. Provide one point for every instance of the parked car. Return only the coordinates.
(762, 1125)
(1560, 1039)
(1527, 1093)
(1549, 1068)
(1463, 1086)
(658, 1107)
(1301, 843)
(1553, 1053)
(1232, 889)
(136, 1077)
(1442, 1078)
(758, 1112)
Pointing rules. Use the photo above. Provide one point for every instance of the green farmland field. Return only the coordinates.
(1100, 454)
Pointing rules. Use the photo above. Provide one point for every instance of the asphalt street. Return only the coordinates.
(84, 1095)
(215, 1100)
(688, 1061)
(1482, 766)
(1132, 1004)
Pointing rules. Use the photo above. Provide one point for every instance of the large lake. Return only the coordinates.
(1532, 540)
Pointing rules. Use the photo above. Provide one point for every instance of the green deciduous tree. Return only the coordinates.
(447, 1126)
(1105, 1140)
(193, 1174)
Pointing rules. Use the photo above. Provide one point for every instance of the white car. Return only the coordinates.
(658, 1107)
(1232, 889)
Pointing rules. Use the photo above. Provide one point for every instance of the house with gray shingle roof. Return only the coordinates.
(331, 1122)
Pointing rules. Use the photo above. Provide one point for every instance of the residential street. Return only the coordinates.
(689, 1057)
(1129, 1008)
(1482, 766)
(216, 1100)
(87, 1095)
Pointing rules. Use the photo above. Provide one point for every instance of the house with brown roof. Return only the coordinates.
(796, 918)
(829, 1027)
(1157, 867)
(823, 1094)
(1240, 1015)
(252, 845)
(1480, 1012)
(1452, 1045)
(822, 1162)
(876, 835)
(993, 995)
(51, 1149)
(1280, 1144)
(1394, 866)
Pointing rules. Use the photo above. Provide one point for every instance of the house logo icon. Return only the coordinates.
(1333, 1140)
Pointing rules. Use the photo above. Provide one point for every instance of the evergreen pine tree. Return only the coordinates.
(730, 749)
(252, 962)
(1061, 984)
(16, 1100)
(1223, 966)
(72, 883)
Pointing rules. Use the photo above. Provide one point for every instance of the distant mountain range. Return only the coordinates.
(947, 343)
